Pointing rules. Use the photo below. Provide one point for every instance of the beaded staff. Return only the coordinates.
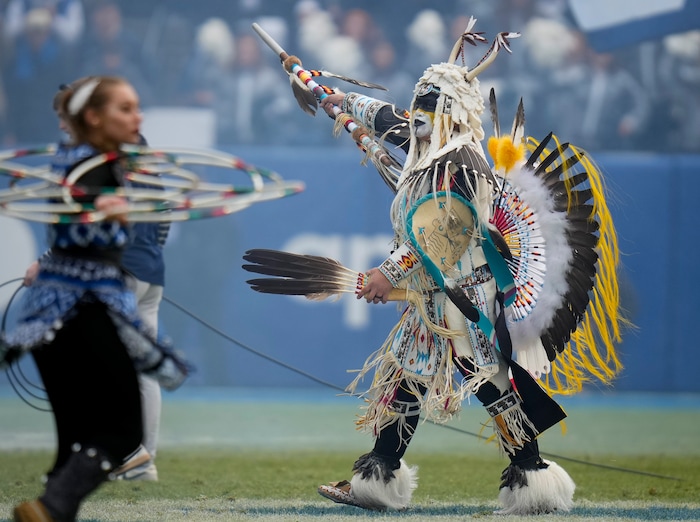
(388, 168)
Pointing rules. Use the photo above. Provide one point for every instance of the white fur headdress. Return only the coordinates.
(457, 119)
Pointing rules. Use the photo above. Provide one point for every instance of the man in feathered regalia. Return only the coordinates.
(511, 262)
(509, 272)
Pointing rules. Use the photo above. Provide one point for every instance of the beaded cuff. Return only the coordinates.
(505, 403)
(362, 108)
(401, 263)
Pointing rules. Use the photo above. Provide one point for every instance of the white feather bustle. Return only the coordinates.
(548, 490)
(525, 333)
(374, 493)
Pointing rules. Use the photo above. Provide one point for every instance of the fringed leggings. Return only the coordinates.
(393, 440)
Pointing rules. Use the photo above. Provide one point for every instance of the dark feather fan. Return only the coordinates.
(315, 277)
(532, 256)
(552, 247)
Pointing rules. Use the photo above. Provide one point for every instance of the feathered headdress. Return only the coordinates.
(457, 120)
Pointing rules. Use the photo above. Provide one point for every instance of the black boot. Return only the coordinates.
(82, 473)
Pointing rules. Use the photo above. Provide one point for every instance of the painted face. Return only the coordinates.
(121, 116)
(422, 124)
(424, 111)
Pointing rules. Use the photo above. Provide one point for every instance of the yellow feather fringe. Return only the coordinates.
(591, 351)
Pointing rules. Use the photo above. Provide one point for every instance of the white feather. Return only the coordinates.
(396, 494)
(548, 490)
(526, 332)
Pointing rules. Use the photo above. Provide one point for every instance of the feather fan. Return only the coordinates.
(315, 277)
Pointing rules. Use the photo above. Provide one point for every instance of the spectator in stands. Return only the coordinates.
(214, 48)
(359, 25)
(552, 78)
(427, 41)
(386, 72)
(68, 18)
(679, 71)
(251, 100)
(39, 64)
(108, 35)
(590, 99)
(616, 109)
(110, 60)
(315, 28)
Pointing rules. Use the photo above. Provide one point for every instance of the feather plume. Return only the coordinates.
(550, 159)
(554, 221)
(315, 277)
(517, 131)
(555, 174)
(304, 97)
(541, 147)
(460, 300)
(493, 106)
(361, 83)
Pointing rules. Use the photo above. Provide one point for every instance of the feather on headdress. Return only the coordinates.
(457, 119)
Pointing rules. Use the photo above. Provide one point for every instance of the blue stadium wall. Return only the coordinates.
(343, 214)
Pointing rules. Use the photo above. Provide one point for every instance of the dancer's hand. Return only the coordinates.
(377, 288)
(115, 208)
(31, 273)
(329, 101)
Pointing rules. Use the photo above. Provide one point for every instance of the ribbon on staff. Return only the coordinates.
(377, 154)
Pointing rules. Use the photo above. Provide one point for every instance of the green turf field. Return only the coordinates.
(249, 455)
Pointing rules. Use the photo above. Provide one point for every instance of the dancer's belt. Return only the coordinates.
(479, 276)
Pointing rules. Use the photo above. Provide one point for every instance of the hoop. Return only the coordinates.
(162, 186)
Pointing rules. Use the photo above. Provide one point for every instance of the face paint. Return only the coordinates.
(424, 111)
(422, 124)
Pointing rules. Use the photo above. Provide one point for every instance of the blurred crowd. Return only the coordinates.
(182, 53)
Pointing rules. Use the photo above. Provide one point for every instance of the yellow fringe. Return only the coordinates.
(591, 351)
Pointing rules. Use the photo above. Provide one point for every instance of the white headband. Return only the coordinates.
(81, 96)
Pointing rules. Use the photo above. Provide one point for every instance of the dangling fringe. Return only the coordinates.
(591, 350)
(339, 123)
(388, 173)
(441, 401)
(512, 429)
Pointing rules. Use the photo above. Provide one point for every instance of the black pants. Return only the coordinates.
(392, 442)
(92, 386)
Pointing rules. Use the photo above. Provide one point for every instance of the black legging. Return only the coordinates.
(488, 393)
(393, 441)
(92, 386)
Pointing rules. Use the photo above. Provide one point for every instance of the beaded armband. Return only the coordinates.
(362, 108)
(401, 263)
